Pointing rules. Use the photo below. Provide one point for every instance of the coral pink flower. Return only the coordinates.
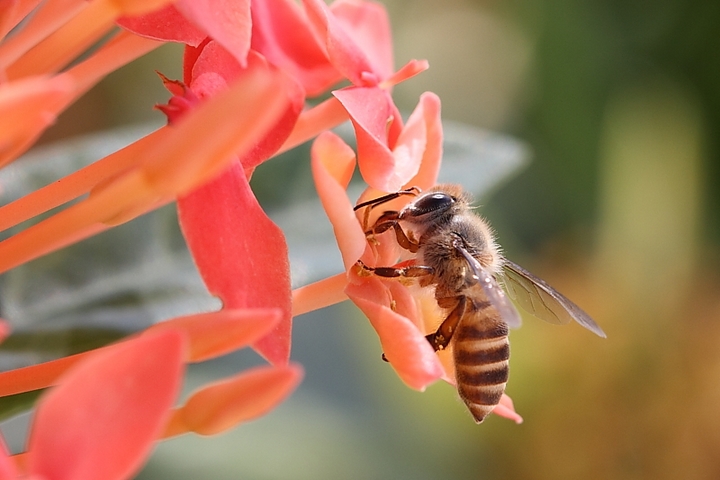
(240, 253)
(248, 69)
(401, 316)
(212, 409)
(357, 40)
(225, 229)
(237, 108)
(317, 46)
(107, 412)
(104, 418)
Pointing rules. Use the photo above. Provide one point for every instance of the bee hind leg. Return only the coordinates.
(441, 338)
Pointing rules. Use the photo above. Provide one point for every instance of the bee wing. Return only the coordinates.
(492, 290)
(538, 298)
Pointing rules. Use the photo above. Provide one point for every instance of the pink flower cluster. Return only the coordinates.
(249, 66)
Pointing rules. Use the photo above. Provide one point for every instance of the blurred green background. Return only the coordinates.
(619, 103)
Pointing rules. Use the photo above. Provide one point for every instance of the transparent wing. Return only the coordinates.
(492, 290)
(538, 298)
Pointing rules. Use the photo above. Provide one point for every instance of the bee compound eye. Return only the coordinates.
(432, 203)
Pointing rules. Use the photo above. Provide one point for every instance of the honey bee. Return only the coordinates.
(456, 254)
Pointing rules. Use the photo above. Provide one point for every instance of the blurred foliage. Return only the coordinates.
(620, 209)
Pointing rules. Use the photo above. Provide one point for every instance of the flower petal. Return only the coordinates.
(136, 7)
(66, 43)
(35, 377)
(4, 330)
(228, 22)
(166, 24)
(102, 421)
(77, 183)
(368, 25)
(283, 34)
(404, 345)
(214, 68)
(219, 333)
(425, 121)
(198, 149)
(27, 107)
(506, 409)
(13, 12)
(241, 254)
(333, 163)
(377, 126)
(224, 404)
(8, 471)
(345, 55)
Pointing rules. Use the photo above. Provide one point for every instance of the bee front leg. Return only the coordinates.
(370, 204)
(375, 202)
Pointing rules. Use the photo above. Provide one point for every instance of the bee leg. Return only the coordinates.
(414, 191)
(371, 204)
(441, 338)
(388, 221)
(395, 272)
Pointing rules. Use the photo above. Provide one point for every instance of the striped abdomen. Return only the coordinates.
(481, 351)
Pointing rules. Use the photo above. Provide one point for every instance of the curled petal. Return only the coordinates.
(241, 254)
(333, 163)
(102, 421)
(224, 404)
(219, 333)
(404, 345)
(377, 126)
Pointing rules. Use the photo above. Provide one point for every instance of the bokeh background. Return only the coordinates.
(619, 105)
